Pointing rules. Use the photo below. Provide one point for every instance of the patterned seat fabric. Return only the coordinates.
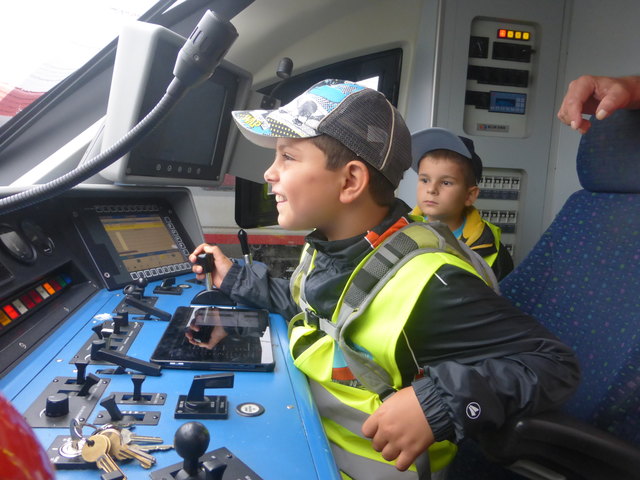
(582, 279)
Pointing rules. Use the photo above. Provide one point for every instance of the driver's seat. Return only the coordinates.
(582, 281)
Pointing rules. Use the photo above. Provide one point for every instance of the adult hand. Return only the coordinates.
(398, 429)
(601, 96)
(221, 263)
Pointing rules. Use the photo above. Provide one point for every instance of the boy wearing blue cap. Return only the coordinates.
(394, 322)
(449, 170)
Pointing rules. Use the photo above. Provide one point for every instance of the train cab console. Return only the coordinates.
(103, 350)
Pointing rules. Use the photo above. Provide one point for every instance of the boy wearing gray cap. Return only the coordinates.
(392, 321)
(449, 170)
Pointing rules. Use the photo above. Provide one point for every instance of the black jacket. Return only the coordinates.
(476, 349)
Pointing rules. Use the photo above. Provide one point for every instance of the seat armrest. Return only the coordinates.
(565, 444)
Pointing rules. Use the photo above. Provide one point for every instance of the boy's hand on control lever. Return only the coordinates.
(221, 263)
(398, 429)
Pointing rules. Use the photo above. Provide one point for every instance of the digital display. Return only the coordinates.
(507, 102)
(131, 241)
(143, 242)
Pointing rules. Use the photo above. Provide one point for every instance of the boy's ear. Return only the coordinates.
(355, 181)
(472, 195)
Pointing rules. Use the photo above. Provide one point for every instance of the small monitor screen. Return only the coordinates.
(132, 241)
(189, 145)
(190, 142)
(508, 102)
(142, 241)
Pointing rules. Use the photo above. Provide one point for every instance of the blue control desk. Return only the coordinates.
(285, 442)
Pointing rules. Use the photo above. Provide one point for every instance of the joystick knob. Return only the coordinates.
(191, 442)
(57, 405)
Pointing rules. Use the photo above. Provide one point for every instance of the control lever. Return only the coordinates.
(98, 330)
(146, 308)
(200, 382)
(110, 405)
(191, 441)
(212, 295)
(205, 260)
(136, 289)
(89, 381)
(81, 367)
(198, 405)
(167, 287)
(244, 245)
(98, 352)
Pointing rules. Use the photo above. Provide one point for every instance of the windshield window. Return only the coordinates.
(44, 41)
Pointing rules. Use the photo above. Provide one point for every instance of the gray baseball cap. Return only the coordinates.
(437, 138)
(360, 118)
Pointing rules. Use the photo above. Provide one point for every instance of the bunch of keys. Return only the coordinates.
(110, 443)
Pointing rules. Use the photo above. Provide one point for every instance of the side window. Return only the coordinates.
(377, 70)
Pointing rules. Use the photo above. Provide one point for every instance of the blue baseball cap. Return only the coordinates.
(437, 138)
(360, 118)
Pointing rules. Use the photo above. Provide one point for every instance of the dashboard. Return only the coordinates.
(90, 283)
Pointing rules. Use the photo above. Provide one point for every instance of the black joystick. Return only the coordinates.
(212, 295)
(136, 289)
(191, 442)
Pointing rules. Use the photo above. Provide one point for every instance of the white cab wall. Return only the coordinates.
(580, 36)
(603, 39)
(529, 153)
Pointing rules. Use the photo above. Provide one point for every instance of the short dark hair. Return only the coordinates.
(444, 154)
(338, 155)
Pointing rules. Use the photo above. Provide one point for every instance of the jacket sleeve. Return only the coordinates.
(252, 285)
(503, 264)
(484, 360)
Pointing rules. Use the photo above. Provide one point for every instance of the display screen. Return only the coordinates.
(142, 241)
(507, 102)
(190, 142)
(128, 242)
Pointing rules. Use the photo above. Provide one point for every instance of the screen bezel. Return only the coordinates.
(87, 219)
(143, 69)
(144, 159)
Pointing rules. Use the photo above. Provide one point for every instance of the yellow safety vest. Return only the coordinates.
(371, 317)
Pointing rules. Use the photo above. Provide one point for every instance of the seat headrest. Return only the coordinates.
(608, 157)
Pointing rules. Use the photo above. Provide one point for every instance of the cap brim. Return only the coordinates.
(435, 139)
(255, 127)
(264, 127)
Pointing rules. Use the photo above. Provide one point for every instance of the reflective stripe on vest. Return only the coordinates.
(399, 270)
(490, 259)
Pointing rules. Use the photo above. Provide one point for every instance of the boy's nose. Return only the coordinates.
(270, 174)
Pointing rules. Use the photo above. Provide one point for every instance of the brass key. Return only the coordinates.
(96, 450)
(129, 437)
(121, 451)
(153, 448)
